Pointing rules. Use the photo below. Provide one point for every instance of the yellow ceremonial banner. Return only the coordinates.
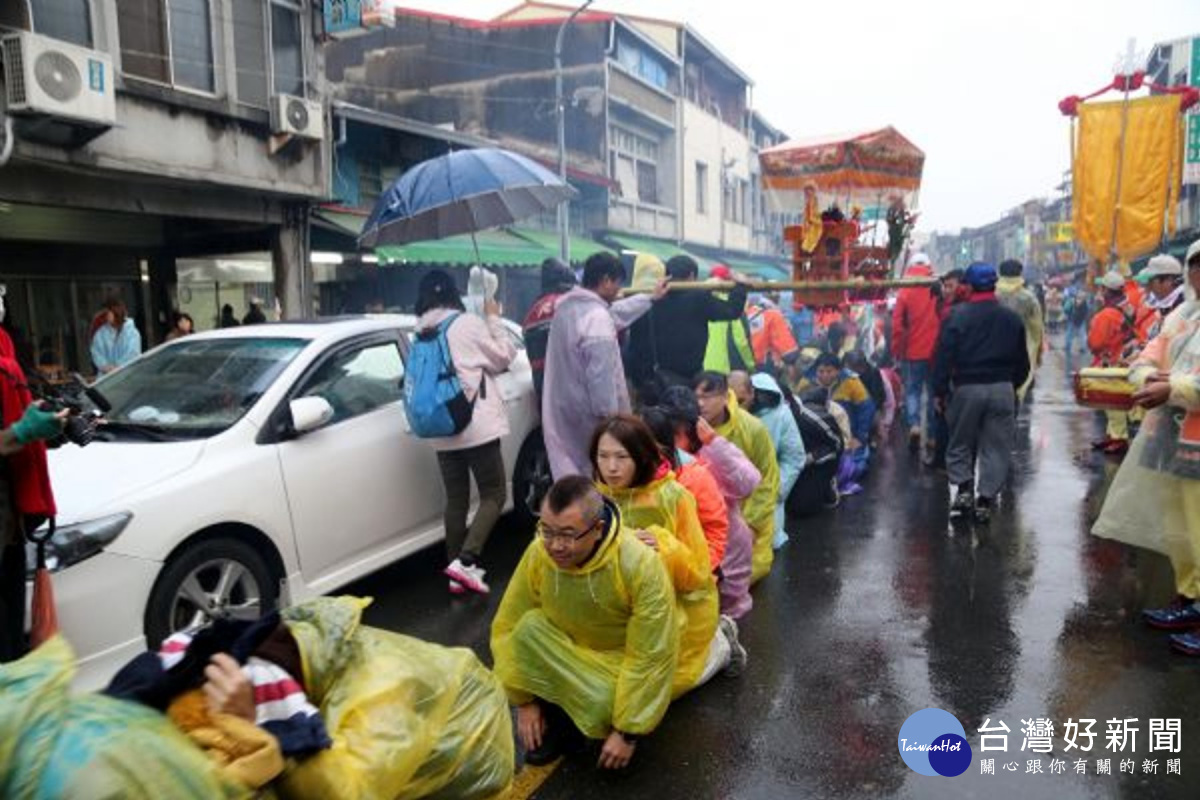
(1151, 171)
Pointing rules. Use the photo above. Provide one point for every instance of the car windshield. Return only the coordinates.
(196, 387)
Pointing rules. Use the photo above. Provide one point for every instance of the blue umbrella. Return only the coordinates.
(462, 192)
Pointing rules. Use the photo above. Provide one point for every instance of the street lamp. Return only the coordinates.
(564, 239)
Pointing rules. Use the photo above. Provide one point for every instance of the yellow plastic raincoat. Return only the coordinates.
(55, 745)
(600, 641)
(1154, 501)
(1011, 292)
(752, 438)
(408, 719)
(668, 511)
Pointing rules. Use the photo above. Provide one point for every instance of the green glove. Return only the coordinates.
(36, 424)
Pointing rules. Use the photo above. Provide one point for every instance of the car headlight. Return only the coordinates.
(74, 543)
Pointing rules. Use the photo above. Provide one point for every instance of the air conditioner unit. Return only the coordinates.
(298, 117)
(48, 78)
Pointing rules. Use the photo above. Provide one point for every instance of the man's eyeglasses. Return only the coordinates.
(570, 537)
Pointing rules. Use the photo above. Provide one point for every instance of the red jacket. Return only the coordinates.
(915, 320)
(27, 468)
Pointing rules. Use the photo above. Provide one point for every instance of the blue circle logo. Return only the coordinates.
(932, 742)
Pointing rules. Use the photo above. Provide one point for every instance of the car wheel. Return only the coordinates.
(214, 579)
(531, 478)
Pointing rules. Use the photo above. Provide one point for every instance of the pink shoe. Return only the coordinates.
(457, 588)
(470, 577)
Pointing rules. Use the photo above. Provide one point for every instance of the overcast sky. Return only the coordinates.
(974, 83)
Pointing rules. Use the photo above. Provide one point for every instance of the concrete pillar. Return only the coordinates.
(163, 294)
(291, 264)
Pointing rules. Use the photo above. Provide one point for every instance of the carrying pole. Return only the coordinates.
(775, 286)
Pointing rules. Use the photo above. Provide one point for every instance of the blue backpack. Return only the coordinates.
(434, 399)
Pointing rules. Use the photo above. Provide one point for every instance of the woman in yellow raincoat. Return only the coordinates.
(1154, 501)
(630, 470)
(720, 409)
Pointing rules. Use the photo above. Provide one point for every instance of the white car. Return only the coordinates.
(246, 467)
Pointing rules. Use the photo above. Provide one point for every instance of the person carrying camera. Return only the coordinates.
(25, 495)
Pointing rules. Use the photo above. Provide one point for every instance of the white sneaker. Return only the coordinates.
(456, 587)
(737, 654)
(469, 577)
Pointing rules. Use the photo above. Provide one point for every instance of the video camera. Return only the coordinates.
(80, 427)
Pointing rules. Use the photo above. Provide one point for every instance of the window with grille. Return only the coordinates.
(66, 20)
(633, 163)
(168, 41)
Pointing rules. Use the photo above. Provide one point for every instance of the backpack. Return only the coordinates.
(434, 400)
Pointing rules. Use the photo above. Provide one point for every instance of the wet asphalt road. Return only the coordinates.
(880, 609)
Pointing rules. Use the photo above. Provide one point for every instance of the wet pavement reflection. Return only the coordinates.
(882, 608)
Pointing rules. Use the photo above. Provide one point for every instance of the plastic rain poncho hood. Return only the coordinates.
(785, 436)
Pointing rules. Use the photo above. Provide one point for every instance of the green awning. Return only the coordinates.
(760, 269)
(659, 248)
(665, 250)
(582, 248)
(497, 248)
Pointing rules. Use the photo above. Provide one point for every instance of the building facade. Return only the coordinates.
(168, 130)
(661, 142)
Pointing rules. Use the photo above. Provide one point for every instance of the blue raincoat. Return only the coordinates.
(789, 448)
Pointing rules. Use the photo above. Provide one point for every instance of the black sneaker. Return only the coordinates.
(964, 503)
(983, 511)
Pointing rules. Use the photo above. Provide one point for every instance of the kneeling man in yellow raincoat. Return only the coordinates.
(586, 640)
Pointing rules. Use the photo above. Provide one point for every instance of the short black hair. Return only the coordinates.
(682, 268)
(658, 420)
(600, 266)
(956, 273)
(857, 361)
(438, 290)
(710, 381)
(572, 490)
(828, 360)
(556, 276)
(681, 407)
(1011, 268)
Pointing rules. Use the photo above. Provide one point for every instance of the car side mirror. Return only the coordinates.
(310, 413)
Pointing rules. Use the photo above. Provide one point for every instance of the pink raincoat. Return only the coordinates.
(737, 478)
(585, 380)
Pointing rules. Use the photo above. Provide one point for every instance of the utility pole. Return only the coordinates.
(564, 236)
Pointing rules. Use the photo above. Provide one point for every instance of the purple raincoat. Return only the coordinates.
(737, 478)
(585, 380)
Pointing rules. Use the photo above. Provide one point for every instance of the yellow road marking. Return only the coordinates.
(530, 779)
